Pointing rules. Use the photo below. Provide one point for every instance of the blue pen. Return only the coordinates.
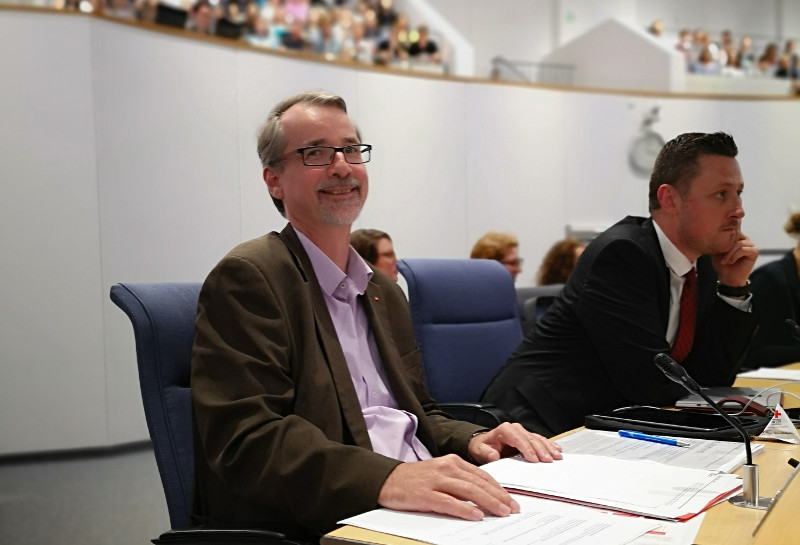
(652, 438)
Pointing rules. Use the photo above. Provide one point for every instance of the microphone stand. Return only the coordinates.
(749, 497)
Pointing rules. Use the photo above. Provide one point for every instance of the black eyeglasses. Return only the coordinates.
(320, 156)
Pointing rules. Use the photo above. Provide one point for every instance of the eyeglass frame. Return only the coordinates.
(301, 152)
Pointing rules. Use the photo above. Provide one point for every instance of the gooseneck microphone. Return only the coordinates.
(793, 327)
(749, 498)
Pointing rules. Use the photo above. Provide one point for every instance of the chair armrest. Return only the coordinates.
(225, 536)
(483, 414)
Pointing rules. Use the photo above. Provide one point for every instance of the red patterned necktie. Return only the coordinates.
(683, 343)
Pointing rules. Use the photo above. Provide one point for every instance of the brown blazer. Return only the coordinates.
(278, 429)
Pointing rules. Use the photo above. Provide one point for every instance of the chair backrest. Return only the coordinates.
(465, 322)
(533, 302)
(163, 317)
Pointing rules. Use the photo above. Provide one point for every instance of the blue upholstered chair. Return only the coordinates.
(163, 318)
(466, 326)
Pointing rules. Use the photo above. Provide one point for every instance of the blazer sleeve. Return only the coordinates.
(252, 376)
(722, 336)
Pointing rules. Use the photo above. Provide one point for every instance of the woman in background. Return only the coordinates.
(502, 247)
(559, 261)
(776, 297)
(376, 248)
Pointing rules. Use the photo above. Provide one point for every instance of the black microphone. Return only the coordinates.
(749, 498)
(677, 373)
(793, 327)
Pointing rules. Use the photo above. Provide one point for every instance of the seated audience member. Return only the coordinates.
(295, 37)
(776, 289)
(559, 261)
(307, 392)
(424, 49)
(391, 49)
(201, 18)
(259, 35)
(745, 57)
(684, 45)
(705, 64)
(357, 47)
(643, 287)
(377, 249)
(787, 62)
(656, 28)
(502, 247)
(768, 62)
(325, 37)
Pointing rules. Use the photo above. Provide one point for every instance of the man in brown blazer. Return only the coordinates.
(308, 395)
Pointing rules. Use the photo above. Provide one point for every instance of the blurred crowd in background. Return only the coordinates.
(363, 31)
(732, 55)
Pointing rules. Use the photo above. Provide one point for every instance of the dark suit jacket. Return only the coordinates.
(279, 433)
(594, 348)
(776, 291)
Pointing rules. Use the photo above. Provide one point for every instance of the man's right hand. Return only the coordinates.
(444, 485)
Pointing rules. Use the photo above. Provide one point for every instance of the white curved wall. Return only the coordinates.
(129, 155)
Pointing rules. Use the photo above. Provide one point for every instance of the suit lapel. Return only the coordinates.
(329, 340)
(663, 293)
(379, 324)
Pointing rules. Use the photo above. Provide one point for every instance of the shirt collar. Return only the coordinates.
(676, 261)
(329, 276)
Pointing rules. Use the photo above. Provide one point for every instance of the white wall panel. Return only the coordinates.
(169, 186)
(515, 154)
(418, 177)
(767, 140)
(52, 389)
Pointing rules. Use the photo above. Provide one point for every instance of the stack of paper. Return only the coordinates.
(772, 373)
(539, 521)
(634, 486)
(720, 456)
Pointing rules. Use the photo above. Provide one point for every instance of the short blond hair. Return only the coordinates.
(493, 246)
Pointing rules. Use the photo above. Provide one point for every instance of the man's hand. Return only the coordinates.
(444, 485)
(509, 439)
(733, 268)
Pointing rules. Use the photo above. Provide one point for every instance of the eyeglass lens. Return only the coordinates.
(324, 155)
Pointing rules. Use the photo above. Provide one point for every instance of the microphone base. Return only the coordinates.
(749, 497)
(760, 503)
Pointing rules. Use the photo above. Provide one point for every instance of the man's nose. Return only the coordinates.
(340, 166)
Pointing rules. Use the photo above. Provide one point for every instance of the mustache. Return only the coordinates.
(326, 185)
(736, 224)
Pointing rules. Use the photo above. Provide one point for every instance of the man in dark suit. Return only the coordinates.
(307, 387)
(594, 348)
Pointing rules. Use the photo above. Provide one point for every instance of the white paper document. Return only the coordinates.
(672, 533)
(539, 521)
(634, 486)
(768, 372)
(721, 456)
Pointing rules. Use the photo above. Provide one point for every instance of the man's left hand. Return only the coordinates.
(509, 439)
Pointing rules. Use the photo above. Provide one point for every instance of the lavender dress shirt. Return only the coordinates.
(392, 431)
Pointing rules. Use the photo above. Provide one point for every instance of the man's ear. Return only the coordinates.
(669, 198)
(273, 183)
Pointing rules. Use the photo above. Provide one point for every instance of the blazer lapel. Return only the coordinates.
(343, 382)
(378, 317)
